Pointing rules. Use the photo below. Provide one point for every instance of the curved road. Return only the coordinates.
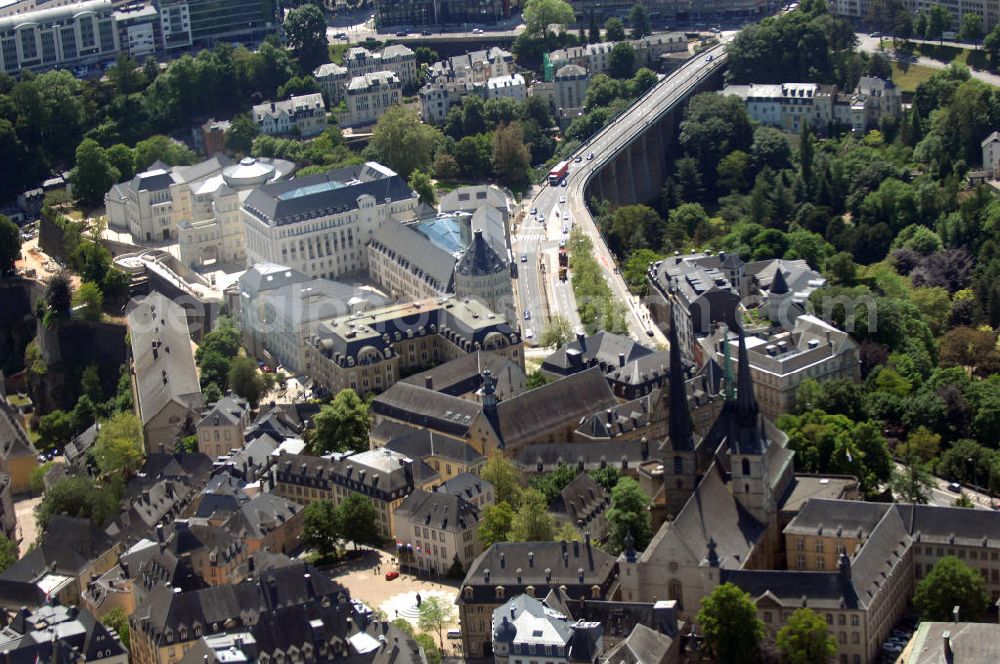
(543, 295)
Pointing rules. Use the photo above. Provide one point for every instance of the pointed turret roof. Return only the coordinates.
(681, 431)
(749, 424)
(778, 285)
(479, 258)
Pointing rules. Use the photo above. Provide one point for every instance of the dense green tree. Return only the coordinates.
(420, 182)
(434, 614)
(59, 294)
(245, 380)
(321, 527)
(634, 227)
(161, 148)
(511, 159)
(402, 142)
(938, 20)
(90, 384)
(769, 149)
(359, 520)
(636, 267)
(621, 61)
(341, 426)
(538, 15)
(79, 497)
(94, 174)
(55, 430)
(10, 245)
(951, 583)
(117, 620)
(558, 332)
(972, 28)
(628, 514)
(594, 32)
(505, 479)
(729, 623)
(118, 449)
(214, 369)
(532, 521)
(89, 298)
(638, 19)
(305, 32)
(912, 482)
(551, 484)
(732, 172)
(495, 523)
(713, 126)
(806, 639)
(8, 552)
(614, 30)
(240, 135)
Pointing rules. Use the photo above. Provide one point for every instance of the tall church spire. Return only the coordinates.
(681, 431)
(749, 424)
(728, 362)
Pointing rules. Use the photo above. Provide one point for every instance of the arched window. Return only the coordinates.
(678, 465)
(746, 467)
(675, 591)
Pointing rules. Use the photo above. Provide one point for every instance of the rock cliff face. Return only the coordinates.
(67, 348)
(17, 321)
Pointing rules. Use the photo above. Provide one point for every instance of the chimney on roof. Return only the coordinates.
(948, 654)
(429, 382)
(621, 359)
(581, 339)
(954, 613)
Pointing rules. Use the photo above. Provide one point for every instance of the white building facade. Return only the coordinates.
(320, 224)
(303, 114)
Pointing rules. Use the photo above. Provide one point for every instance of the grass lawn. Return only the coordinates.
(908, 77)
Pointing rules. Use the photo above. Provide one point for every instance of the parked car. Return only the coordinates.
(562, 199)
(955, 487)
(578, 159)
(477, 31)
(527, 315)
(534, 211)
(389, 576)
(590, 156)
(524, 258)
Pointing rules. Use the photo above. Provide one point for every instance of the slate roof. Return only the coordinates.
(412, 251)
(56, 633)
(480, 258)
(548, 456)
(466, 486)
(642, 646)
(602, 348)
(711, 513)
(444, 511)
(970, 642)
(552, 405)
(426, 408)
(163, 361)
(623, 418)
(67, 546)
(498, 565)
(855, 519)
(787, 588)
(152, 180)
(14, 441)
(933, 524)
(227, 410)
(419, 443)
(76, 450)
(268, 276)
(311, 196)
(583, 500)
(463, 375)
(262, 514)
(376, 472)
(239, 604)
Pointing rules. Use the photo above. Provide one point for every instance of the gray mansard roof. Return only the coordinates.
(414, 252)
(324, 194)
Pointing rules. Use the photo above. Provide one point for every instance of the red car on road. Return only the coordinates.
(389, 576)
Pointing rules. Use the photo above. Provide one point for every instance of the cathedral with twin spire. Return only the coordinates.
(723, 491)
